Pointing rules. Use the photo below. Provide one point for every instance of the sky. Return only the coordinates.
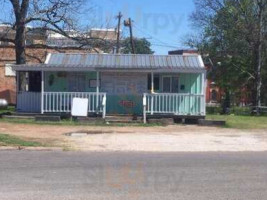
(163, 23)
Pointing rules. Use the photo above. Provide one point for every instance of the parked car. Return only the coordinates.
(3, 103)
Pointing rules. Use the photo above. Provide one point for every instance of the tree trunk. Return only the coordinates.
(260, 59)
(20, 43)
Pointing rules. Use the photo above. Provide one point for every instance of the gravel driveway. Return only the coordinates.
(183, 139)
(148, 139)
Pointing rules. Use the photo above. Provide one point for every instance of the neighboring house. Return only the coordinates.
(116, 84)
(58, 40)
(213, 94)
(54, 43)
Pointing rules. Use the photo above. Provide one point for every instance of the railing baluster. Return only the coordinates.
(170, 103)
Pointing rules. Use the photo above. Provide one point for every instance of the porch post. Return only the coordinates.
(144, 108)
(42, 93)
(152, 92)
(204, 92)
(17, 88)
(152, 82)
(97, 91)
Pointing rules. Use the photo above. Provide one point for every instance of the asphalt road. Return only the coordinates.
(74, 175)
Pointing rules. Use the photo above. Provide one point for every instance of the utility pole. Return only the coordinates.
(129, 24)
(118, 32)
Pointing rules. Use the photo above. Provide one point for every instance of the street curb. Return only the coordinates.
(31, 148)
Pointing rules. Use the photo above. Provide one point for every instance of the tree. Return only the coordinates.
(59, 16)
(234, 35)
(142, 46)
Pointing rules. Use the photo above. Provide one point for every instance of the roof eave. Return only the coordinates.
(70, 69)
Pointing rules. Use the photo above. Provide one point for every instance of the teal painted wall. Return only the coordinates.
(60, 81)
(192, 83)
(129, 103)
(125, 104)
(188, 84)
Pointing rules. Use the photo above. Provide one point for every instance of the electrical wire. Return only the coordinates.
(152, 36)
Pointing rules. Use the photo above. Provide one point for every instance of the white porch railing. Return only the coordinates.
(176, 104)
(57, 102)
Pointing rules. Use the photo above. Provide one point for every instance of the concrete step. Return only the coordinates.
(25, 114)
(123, 119)
(47, 118)
(17, 117)
(90, 120)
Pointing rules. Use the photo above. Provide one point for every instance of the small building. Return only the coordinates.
(114, 84)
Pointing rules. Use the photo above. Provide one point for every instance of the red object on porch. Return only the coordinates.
(127, 104)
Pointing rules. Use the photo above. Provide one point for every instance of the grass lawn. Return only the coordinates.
(242, 122)
(232, 121)
(9, 109)
(8, 140)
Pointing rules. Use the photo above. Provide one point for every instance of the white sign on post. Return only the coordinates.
(79, 107)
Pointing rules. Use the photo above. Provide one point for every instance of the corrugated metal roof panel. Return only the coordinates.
(125, 61)
(121, 61)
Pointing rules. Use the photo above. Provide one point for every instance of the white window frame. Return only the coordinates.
(9, 72)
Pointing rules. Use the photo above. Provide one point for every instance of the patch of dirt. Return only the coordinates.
(158, 139)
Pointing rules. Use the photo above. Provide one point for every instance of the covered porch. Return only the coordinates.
(114, 88)
(48, 94)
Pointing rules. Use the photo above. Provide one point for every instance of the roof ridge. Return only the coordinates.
(109, 54)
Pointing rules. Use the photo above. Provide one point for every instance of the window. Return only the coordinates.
(170, 84)
(9, 71)
(175, 85)
(156, 82)
(93, 83)
(77, 82)
(214, 95)
(166, 84)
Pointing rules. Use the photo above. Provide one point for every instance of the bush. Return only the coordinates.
(213, 110)
(243, 111)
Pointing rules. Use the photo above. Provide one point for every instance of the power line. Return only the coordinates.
(167, 46)
(152, 36)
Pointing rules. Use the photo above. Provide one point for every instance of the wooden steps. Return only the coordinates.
(18, 117)
(122, 119)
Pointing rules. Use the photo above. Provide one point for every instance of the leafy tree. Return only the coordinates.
(233, 34)
(142, 46)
